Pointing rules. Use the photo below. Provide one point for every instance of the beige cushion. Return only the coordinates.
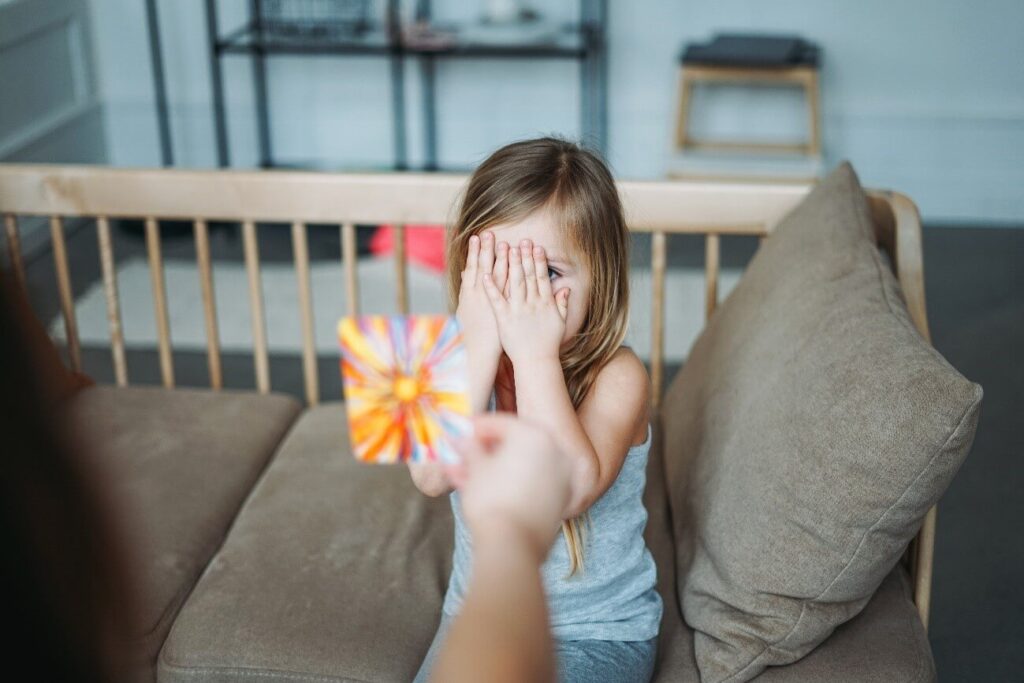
(334, 570)
(806, 436)
(179, 465)
(885, 642)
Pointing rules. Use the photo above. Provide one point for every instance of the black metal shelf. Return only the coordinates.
(574, 42)
(249, 39)
(582, 41)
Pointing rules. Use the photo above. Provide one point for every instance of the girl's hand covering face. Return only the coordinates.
(531, 320)
(479, 328)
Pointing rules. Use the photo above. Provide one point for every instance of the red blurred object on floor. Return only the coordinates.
(424, 244)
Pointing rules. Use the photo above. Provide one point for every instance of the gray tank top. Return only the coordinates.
(613, 596)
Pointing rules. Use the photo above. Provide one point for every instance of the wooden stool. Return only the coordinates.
(760, 60)
(802, 76)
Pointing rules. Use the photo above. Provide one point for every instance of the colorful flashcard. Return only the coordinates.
(406, 385)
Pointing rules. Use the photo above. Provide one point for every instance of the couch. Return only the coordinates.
(266, 552)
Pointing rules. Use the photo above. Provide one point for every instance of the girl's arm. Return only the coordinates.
(596, 438)
(483, 347)
(531, 323)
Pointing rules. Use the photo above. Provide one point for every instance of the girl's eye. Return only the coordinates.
(553, 274)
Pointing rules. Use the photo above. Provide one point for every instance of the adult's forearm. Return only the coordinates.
(502, 633)
(542, 397)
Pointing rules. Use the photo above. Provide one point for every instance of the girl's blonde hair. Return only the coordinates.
(575, 185)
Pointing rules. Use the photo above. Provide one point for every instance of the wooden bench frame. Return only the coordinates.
(298, 198)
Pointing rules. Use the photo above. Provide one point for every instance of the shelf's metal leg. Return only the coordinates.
(397, 65)
(159, 83)
(592, 97)
(602, 78)
(259, 82)
(217, 86)
(427, 65)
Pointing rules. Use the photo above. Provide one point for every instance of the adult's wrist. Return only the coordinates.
(502, 535)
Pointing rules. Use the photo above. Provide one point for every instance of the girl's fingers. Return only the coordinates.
(493, 295)
(562, 302)
(472, 257)
(529, 268)
(486, 253)
(540, 260)
(501, 267)
(516, 277)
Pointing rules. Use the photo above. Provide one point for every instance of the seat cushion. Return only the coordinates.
(886, 642)
(808, 433)
(334, 570)
(675, 660)
(179, 463)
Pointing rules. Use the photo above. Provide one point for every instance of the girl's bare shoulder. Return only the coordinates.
(624, 385)
(625, 371)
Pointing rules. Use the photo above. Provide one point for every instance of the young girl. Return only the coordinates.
(537, 269)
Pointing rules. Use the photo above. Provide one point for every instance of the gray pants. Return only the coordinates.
(579, 661)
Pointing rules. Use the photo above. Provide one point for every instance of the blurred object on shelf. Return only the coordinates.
(534, 32)
(423, 35)
(315, 17)
(509, 22)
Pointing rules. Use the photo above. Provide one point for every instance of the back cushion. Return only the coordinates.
(808, 433)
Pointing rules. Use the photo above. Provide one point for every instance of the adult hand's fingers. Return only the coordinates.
(562, 301)
(492, 430)
(529, 269)
(486, 261)
(457, 474)
(471, 450)
(516, 277)
(540, 259)
(469, 273)
(501, 267)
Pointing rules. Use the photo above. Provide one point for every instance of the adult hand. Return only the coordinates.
(513, 482)
(531, 319)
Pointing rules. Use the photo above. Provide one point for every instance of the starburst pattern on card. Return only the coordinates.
(406, 387)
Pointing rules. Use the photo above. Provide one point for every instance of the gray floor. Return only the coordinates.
(975, 289)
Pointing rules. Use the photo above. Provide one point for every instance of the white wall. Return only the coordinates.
(925, 96)
(49, 109)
